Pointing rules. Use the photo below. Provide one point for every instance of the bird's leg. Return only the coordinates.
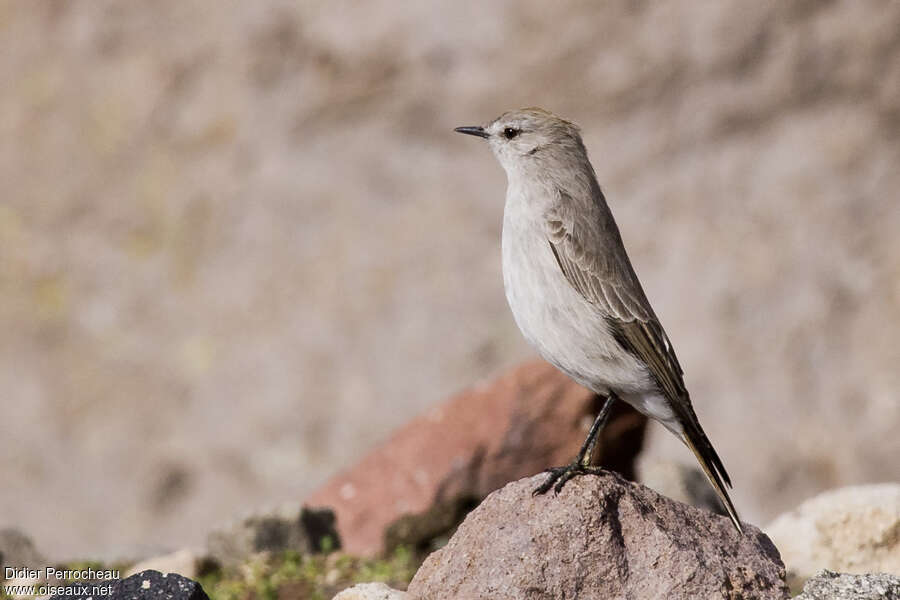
(582, 463)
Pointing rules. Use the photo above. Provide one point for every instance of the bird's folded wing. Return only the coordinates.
(587, 245)
(593, 260)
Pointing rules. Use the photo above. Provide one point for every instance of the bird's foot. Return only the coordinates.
(558, 476)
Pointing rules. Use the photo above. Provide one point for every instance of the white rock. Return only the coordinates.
(372, 591)
(849, 530)
(185, 562)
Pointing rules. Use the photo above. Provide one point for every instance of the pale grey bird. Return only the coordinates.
(574, 293)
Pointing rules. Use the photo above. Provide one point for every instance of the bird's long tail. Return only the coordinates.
(696, 440)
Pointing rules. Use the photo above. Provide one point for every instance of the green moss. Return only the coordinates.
(292, 576)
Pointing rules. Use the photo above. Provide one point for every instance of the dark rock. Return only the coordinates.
(17, 550)
(421, 483)
(828, 585)
(287, 528)
(601, 537)
(146, 585)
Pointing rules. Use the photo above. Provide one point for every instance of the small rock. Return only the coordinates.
(372, 591)
(601, 537)
(186, 562)
(423, 481)
(851, 530)
(146, 585)
(287, 528)
(828, 585)
(17, 550)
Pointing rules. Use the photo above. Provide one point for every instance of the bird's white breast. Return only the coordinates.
(557, 320)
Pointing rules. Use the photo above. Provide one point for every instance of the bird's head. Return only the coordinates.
(524, 139)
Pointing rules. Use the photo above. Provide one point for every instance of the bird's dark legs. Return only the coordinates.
(582, 463)
(590, 443)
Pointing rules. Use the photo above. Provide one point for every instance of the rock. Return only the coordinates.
(679, 482)
(845, 586)
(154, 585)
(287, 528)
(17, 550)
(186, 562)
(601, 537)
(146, 585)
(429, 474)
(372, 591)
(851, 530)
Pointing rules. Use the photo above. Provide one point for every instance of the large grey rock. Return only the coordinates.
(601, 537)
(844, 586)
(289, 527)
(851, 530)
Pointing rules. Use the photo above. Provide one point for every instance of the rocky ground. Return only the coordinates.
(239, 243)
(385, 525)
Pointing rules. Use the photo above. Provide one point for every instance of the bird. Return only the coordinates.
(574, 294)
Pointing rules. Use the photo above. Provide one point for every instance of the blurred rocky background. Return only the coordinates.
(240, 244)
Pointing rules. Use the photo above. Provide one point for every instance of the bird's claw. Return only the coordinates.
(559, 476)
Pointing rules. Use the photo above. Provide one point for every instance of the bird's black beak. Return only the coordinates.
(479, 131)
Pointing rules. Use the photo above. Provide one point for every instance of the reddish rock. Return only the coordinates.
(429, 474)
(601, 537)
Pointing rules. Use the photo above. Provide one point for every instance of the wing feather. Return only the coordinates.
(590, 254)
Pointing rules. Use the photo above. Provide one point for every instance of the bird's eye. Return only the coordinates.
(509, 133)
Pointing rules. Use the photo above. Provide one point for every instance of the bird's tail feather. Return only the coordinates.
(713, 468)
